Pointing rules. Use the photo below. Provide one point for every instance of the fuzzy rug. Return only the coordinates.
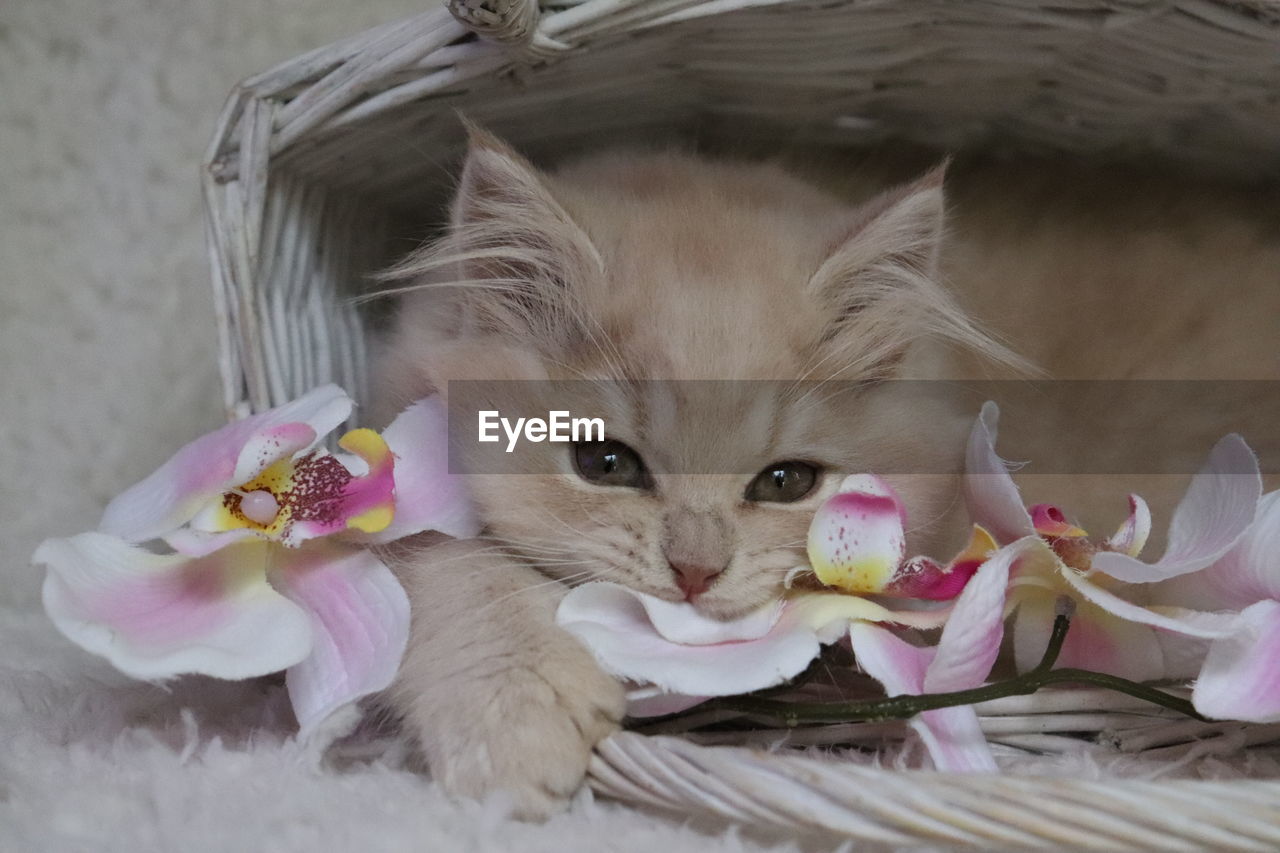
(107, 347)
(94, 762)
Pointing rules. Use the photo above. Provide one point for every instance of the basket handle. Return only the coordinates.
(510, 22)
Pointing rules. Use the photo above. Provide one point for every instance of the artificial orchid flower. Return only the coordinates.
(267, 568)
(962, 659)
(856, 542)
(681, 657)
(1221, 538)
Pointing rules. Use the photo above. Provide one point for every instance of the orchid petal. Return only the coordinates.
(1215, 512)
(681, 622)
(428, 496)
(952, 736)
(921, 577)
(1193, 623)
(1183, 655)
(1240, 679)
(990, 493)
(857, 539)
(970, 640)
(924, 579)
(359, 617)
(899, 666)
(828, 613)
(1133, 534)
(156, 616)
(963, 658)
(1248, 573)
(954, 739)
(1096, 640)
(1035, 610)
(193, 542)
(677, 621)
(202, 470)
(612, 621)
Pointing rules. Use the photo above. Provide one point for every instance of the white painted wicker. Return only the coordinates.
(329, 166)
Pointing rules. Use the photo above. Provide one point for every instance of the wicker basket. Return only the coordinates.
(328, 167)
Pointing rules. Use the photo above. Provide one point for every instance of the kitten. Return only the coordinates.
(665, 267)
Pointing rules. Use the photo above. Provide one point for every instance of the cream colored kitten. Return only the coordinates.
(660, 267)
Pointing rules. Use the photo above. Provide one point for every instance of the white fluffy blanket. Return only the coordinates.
(93, 762)
(107, 354)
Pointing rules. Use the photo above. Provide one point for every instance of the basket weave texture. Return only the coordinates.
(329, 167)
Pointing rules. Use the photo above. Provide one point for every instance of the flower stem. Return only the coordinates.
(901, 707)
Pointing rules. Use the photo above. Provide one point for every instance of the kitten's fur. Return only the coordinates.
(666, 266)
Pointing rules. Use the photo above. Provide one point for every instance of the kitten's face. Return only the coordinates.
(709, 494)
(630, 270)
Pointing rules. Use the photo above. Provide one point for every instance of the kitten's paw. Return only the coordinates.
(527, 731)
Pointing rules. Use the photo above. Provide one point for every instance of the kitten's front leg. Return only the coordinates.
(500, 697)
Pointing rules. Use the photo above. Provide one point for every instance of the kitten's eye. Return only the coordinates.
(783, 482)
(610, 463)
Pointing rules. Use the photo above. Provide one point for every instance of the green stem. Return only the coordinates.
(901, 707)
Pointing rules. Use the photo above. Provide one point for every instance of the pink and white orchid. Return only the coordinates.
(856, 542)
(678, 657)
(245, 554)
(1216, 584)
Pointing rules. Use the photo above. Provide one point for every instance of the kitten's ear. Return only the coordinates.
(519, 252)
(897, 234)
(495, 181)
(879, 284)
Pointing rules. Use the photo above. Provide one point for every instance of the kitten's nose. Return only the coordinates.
(694, 579)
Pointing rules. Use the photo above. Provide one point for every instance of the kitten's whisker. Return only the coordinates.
(470, 284)
(798, 543)
(592, 518)
(537, 586)
(504, 598)
(535, 546)
(479, 552)
(560, 563)
(508, 541)
(566, 525)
